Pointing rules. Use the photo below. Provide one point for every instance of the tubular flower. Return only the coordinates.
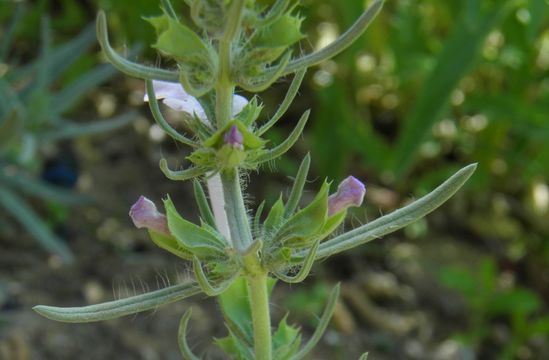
(175, 97)
(350, 192)
(145, 215)
(234, 138)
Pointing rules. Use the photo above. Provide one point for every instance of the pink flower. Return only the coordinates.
(350, 192)
(145, 215)
(176, 98)
(234, 138)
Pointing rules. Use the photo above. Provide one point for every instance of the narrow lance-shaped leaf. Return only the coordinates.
(288, 99)
(286, 144)
(43, 190)
(9, 33)
(17, 207)
(305, 267)
(62, 56)
(340, 44)
(264, 82)
(167, 5)
(70, 94)
(274, 218)
(299, 184)
(72, 130)
(321, 327)
(275, 12)
(206, 285)
(180, 175)
(124, 65)
(453, 62)
(203, 205)
(182, 337)
(397, 219)
(118, 308)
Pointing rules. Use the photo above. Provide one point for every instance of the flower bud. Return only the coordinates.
(350, 192)
(145, 215)
(234, 138)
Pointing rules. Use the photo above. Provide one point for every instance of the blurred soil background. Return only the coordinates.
(432, 86)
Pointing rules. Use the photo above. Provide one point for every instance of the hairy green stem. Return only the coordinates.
(225, 87)
(261, 318)
(224, 93)
(235, 210)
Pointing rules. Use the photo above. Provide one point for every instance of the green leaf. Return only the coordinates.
(297, 187)
(517, 301)
(70, 94)
(160, 23)
(250, 113)
(182, 337)
(35, 187)
(340, 44)
(170, 244)
(458, 279)
(123, 64)
(284, 146)
(257, 219)
(235, 347)
(180, 175)
(17, 207)
(181, 42)
(274, 218)
(539, 326)
(332, 223)
(235, 305)
(72, 130)
(453, 63)
(300, 229)
(202, 243)
(118, 308)
(206, 285)
(9, 32)
(62, 57)
(322, 325)
(203, 205)
(399, 218)
(305, 266)
(282, 33)
(288, 99)
(286, 340)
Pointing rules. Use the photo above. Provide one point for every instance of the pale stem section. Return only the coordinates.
(217, 200)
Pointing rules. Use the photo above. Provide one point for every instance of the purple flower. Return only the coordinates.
(349, 193)
(145, 215)
(234, 138)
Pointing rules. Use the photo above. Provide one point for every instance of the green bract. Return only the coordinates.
(246, 44)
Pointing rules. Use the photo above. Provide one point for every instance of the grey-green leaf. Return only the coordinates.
(118, 308)
(399, 218)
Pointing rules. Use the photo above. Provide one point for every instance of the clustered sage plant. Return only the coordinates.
(236, 257)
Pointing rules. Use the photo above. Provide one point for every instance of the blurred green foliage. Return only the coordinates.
(490, 300)
(444, 82)
(34, 102)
